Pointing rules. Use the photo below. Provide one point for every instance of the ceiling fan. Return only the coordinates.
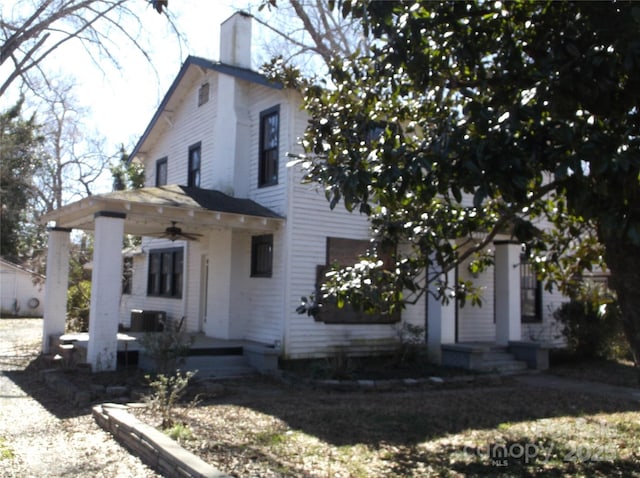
(174, 233)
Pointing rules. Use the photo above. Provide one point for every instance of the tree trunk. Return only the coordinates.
(623, 259)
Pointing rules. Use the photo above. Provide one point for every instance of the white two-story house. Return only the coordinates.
(232, 239)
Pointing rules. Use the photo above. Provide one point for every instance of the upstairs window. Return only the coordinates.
(262, 255)
(203, 94)
(269, 141)
(165, 273)
(161, 171)
(193, 179)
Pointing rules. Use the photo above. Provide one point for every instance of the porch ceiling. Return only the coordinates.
(150, 210)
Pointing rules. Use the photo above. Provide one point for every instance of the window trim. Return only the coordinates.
(536, 318)
(203, 93)
(175, 276)
(191, 180)
(263, 181)
(160, 163)
(257, 242)
(329, 312)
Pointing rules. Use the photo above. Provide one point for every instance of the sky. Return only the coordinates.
(122, 102)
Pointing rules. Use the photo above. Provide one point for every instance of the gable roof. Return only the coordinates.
(196, 61)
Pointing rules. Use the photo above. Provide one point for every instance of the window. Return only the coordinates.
(203, 94)
(193, 179)
(165, 273)
(346, 252)
(530, 293)
(161, 172)
(261, 255)
(269, 139)
(127, 274)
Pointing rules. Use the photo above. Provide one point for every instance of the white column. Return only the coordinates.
(507, 272)
(106, 290)
(441, 320)
(56, 286)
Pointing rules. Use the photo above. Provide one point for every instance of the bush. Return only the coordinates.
(78, 305)
(167, 391)
(592, 331)
(168, 348)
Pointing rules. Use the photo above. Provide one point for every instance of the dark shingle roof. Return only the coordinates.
(190, 197)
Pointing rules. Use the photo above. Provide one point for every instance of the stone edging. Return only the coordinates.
(153, 447)
(397, 384)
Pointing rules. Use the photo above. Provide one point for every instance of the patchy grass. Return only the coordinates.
(6, 453)
(263, 428)
(614, 372)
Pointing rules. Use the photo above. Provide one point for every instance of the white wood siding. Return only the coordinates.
(187, 125)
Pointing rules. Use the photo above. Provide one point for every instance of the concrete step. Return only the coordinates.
(223, 373)
(218, 366)
(494, 356)
(503, 366)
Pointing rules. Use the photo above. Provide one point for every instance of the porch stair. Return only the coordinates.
(216, 366)
(488, 358)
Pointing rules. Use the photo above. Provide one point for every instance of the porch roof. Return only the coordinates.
(149, 210)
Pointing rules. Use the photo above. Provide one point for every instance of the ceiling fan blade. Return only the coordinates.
(190, 236)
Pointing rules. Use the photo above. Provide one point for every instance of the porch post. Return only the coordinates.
(507, 272)
(106, 289)
(441, 321)
(55, 293)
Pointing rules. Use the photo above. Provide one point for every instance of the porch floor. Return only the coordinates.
(129, 342)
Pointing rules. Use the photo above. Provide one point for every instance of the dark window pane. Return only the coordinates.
(194, 166)
(269, 142)
(262, 255)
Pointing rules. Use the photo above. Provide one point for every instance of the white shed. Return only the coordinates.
(21, 291)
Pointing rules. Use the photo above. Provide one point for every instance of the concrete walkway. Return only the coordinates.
(580, 386)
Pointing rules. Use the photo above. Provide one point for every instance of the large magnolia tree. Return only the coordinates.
(473, 119)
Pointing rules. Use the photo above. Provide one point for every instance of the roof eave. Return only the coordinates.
(242, 73)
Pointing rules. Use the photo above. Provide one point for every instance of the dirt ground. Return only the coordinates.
(39, 435)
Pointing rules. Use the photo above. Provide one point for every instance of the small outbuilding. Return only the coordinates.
(21, 291)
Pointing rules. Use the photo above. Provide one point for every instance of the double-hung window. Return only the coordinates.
(161, 171)
(530, 292)
(193, 179)
(262, 255)
(269, 141)
(165, 273)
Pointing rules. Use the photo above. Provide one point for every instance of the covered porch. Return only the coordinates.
(173, 212)
(508, 351)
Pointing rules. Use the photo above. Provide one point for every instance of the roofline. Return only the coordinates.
(21, 268)
(235, 71)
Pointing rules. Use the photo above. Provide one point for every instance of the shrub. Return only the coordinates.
(592, 331)
(78, 305)
(411, 343)
(167, 391)
(168, 348)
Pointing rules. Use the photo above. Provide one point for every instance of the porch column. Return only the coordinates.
(106, 289)
(507, 272)
(441, 321)
(55, 293)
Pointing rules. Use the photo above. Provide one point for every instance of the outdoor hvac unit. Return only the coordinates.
(147, 320)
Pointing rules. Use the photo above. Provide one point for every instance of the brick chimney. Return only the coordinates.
(235, 40)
